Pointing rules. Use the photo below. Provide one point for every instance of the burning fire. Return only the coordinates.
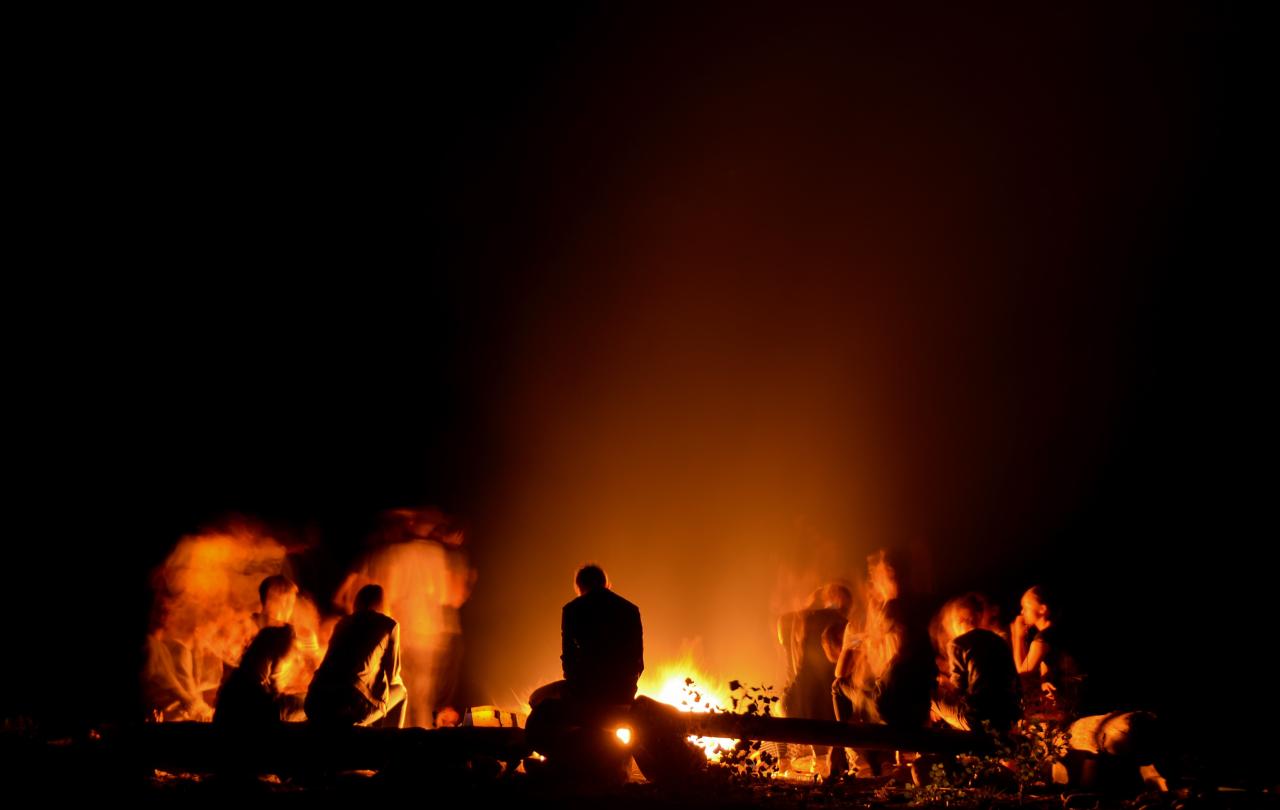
(682, 685)
(208, 609)
(206, 613)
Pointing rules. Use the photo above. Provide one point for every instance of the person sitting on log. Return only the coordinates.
(982, 685)
(1051, 677)
(359, 682)
(251, 694)
(601, 645)
(573, 721)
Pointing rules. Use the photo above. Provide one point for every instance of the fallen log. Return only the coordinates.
(299, 747)
(824, 732)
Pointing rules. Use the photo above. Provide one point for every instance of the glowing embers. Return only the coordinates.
(682, 685)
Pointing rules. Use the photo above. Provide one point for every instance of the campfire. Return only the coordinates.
(683, 685)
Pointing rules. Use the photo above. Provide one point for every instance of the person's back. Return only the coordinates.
(602, 646)
(982, 672)
(359, 679)
(905, 687)
(356, 651)
(809, 693)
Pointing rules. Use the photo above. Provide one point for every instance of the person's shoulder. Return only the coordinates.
(387, 623)
(610, 600)
(364, 621)
(980, 638)
(825, 616)
(274, 633)
(1050, 636)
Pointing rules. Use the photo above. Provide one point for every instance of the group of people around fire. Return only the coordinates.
(893, 663)
(886, 663)
(413, 571)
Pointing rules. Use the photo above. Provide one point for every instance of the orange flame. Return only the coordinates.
(682, 685)
(206, 595)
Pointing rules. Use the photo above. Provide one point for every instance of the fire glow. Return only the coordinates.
(683, 686)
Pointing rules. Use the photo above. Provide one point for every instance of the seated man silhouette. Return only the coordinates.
(601, 645)
(251, 694)
(602, 657)
(359, 683)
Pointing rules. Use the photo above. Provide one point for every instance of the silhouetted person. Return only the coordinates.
(601, 642)
(358, 683)
(573, 720)
(418, 558)
(810, 670)
(983, 685)
(808, 694)
(251, 694)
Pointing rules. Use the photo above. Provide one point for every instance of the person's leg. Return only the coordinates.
(837, 760)
(397, 708)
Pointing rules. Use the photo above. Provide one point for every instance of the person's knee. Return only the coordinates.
(553, 690)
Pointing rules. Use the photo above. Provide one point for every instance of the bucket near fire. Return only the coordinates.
(490, 717)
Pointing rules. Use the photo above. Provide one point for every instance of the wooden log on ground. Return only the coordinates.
(823, 732)
(298, 747)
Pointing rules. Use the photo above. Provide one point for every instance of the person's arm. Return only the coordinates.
(1035, 657)
(844, 664)
(636, 653)
(281, 644)
(568, 646)
(785, 622)
(959, 669)
(1027, 656)
(849, 647)
(391, 660)
(1018, 641)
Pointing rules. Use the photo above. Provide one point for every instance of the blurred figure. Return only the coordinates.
(252, 694)
(359, 681)
(418, 559)
(810, 670)
(177, 673)
(206, 593)
(982, 685)
(885, 673)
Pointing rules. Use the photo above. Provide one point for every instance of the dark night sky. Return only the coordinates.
(621, 283)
